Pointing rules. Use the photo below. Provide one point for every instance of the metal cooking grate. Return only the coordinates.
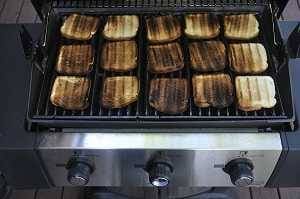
(141, 109)
(152, 3)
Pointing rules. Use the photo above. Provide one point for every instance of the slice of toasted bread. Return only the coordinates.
(248, 58)
(70, 92)
(163, 29)
(169, 95)
(165, 58)
(121, 27)
(255, 92)
(214, 90)
(241, 27)
(120, 91)
(79, 27)
(75, 60)
(201, 26)
(207, 56)
(119, 56)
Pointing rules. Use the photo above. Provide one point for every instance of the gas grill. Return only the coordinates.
(139, 146)
(140, 115)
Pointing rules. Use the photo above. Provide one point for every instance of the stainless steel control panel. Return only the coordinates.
(195, 159)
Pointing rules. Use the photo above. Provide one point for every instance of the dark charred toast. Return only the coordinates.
(165, 58)
(169, 95)
(207, 56)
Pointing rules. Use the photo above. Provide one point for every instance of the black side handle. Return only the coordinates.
(32, 51)
(293, 43)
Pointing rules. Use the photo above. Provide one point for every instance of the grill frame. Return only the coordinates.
(155, 121)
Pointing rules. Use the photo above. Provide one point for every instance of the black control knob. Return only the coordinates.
(79, 172)
(160, 171)
(240, 172)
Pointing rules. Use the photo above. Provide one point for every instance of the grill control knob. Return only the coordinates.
(240, 172)
(160, 171)
(79, 172)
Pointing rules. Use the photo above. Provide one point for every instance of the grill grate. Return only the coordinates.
(140, 114)
(141, 109)
(153, 3)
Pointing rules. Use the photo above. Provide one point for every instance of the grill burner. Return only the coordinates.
(140, 114)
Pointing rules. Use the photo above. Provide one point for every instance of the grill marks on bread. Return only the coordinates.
(70, 92)
(163, 29)
(202, 26)
(255, 92)
(119, 56)
(207, 56)
(79, 27)
(165, 58)
(242, 26)
(75, 60)
(214, 90)
(119, 91)
(248, 58)
(121, 27)
(169, 95)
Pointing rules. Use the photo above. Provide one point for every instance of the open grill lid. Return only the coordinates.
(42, 6)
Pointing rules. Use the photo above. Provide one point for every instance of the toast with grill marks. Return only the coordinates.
(163, 29)
(119, 56)
(169, 95)
(79, 27)
(207, 56)
(241, 27)
(255, 92)
(201, 26)
(75, 60)
(120, 91)
(70, 92)
(214, 90)
(248, 58)
(165, 58)
(121, 27)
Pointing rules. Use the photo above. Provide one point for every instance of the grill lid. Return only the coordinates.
(42, 6)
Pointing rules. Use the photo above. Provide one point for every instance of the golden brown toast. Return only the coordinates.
(79, 27)
(70, 92)
(214, 90)
(120, 91)
(163, 29)
(119, 56)
(201, 26)
(247, 58)
(121, 27)
(75, 60)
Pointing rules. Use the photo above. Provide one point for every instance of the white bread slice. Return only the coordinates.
(201, 26)
(241, 27)
(121, 27)
(255, 92)
(247, 58)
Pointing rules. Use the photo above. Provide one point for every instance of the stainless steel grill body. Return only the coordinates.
(198, 159)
